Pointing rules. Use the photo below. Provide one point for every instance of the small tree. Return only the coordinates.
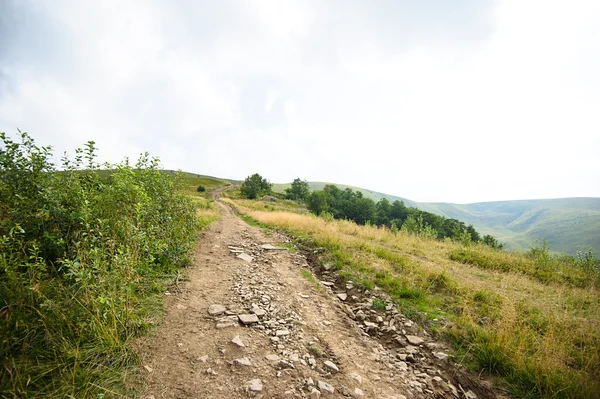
(201, 189)
(298, 191)
(255, 186)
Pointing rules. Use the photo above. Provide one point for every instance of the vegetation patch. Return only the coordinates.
(84, 257)
(531, 318)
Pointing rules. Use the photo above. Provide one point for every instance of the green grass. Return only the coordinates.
(569, 224)
(531, 319)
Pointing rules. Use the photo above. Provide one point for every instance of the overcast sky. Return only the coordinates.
(454, 101)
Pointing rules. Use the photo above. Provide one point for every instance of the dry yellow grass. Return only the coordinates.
(543, 338)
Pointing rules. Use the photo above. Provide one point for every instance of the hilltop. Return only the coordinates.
(568, 224)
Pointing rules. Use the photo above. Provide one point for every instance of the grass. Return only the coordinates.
(309, 276)
(531, 320)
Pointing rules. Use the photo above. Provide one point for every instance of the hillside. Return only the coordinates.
(568, 224)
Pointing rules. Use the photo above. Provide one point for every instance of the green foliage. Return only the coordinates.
(491, 242)
(353, 205)
(255, 186)
(80, 250)
(201, 189)
(378, 304)
(298, 191)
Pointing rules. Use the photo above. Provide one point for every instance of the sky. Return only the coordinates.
(453, 101)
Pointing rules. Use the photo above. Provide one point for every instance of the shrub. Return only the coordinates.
(255, 186)
(80, 248)
(201, 189)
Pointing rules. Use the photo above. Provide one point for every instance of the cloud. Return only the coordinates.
(436, 101)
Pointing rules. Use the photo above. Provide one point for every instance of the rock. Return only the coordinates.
(325, 387)
(470, 395)
(248, 318)
(238, 341)
(258, 311)
(440, 355)
(357, 377)
(272, 357)
(244, 361)
(330, 365)
(314, 394)
(270, 247)
(216, 310)
(254, 385)
(360, 315)
(282, 333)
(148, 368)
(370, 325)
(342, 296)
(413, 339)
(327, 283)
(245, 257)
(226, 324)
(203, 359)
(358, 393)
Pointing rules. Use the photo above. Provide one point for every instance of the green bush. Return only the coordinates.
(201, 189)
(80, 251)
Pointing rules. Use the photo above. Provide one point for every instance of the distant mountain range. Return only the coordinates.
(568, 224)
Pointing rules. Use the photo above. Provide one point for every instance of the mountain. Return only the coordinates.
(568, 224)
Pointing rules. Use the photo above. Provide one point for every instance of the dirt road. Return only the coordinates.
(249, 324)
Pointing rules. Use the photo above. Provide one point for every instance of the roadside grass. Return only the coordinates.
(309, 276)
(532, 320)
(85, 255)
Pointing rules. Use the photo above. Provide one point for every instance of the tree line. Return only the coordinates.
(352, 205)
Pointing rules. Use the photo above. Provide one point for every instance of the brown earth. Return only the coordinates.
(305, 324)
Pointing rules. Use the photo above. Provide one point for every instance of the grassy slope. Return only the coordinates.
(568, 224)
(532, 321)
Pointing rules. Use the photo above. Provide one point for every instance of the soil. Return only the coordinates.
(305, 330)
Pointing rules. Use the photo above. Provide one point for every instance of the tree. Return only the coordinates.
(317, 202)
(383, 212)
(492, 242)
(255, 186)
(298, 191)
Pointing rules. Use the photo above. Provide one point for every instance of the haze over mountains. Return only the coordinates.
(568, 224)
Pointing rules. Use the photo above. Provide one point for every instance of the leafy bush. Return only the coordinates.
(80, 249)
(298, 191)
(255, 186)
(201, 189)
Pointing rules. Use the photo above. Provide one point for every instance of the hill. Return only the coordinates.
(568, 224)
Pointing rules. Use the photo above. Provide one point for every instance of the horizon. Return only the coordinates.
(462, 102)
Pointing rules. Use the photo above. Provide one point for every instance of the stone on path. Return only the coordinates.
(342, 296)
(270, 247)
(255, 385)
(258, 311)
(358, 392)
(327, 283)
(440, 355)
(238, 341)
(244, 361)
(331, 365)
(314, 394)
(226, 324)
(244, 256)
(325, 387)
(282, 333)
(248, 318)
(414, 340)
(216, 310)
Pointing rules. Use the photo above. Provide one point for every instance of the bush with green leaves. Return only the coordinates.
(255, 186)
(298, 191)
(81, 251)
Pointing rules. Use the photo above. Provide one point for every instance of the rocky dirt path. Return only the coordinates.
(249, 324)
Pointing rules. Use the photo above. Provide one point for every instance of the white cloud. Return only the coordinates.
(495, 102)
